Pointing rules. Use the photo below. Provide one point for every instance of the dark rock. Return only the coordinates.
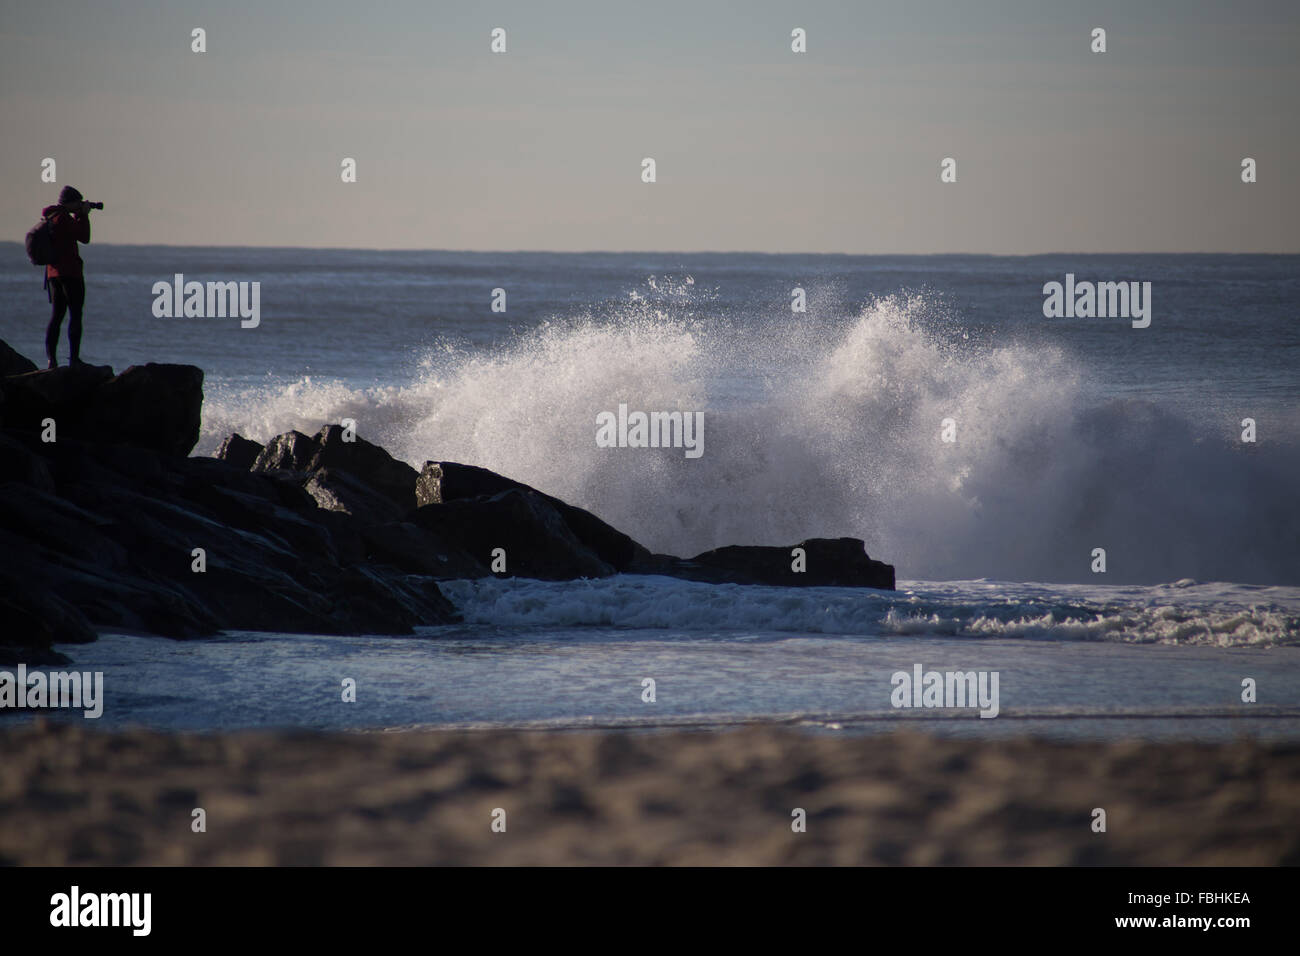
(111, 546)
(292, 451)
(288, 487)
(442, 482)
(227, 475)
(831, 562)
(59, 525)
(12, 363)
(336, 474)
(609, 544)
(263, 514)
(102, 592)
(99, 528)
(20, 465)
(150, 406)
(32, 655)
(376, 593)
(63, 394)
(371, 464)
(538, 543)
(281, 574)
(345, 535)
(337, 490)
(655, 564)
(34, 618)
(420, 550)
(239, 451)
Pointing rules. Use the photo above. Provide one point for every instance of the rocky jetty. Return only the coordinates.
(106, 523)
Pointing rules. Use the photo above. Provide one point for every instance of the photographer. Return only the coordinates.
(64, 283)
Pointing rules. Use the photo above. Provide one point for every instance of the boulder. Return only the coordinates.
(96, 535)
(34, 622)
(63, 393)
(442, 482)
(366, 462)
(538, 543)
(420, 550)
(147, 406)
(12, 363)
(307, 533)
(239, 451)
(21, 465)
(337, 490)
(292, 451)
(830, 562)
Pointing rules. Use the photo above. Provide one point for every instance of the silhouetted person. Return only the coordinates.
(64, 281)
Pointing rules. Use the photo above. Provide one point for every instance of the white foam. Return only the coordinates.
(832, 427)
(1214, 617)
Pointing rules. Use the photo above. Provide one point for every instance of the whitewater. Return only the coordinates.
(828, 428)
(1071, 436)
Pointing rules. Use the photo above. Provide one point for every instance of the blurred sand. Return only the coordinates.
(68, 795)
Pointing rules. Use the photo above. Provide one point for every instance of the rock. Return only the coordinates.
(369, 463)
(12, 363)
(292, 451)
(306, 534)
(62, 393)
(36, 622)
(840, 562)
(830, 562)
(149, 406)
(20, 465)
(538, 543)
(441, 482)
(608, 543)
(420, 550)
(239, 451)
(34, 617)
(110, 545)
(61, 527)
(337, 490)
(375, 593)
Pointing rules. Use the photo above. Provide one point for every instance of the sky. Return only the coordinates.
(757, 148)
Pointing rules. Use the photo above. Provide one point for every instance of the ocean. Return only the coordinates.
(1069, 435)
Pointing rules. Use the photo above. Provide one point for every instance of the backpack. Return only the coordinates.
(40, 243)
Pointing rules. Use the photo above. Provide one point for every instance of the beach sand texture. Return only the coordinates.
(72, 796)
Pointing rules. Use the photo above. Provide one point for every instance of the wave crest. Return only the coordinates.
(832, 426)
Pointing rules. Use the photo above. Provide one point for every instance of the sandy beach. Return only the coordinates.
(72, 796)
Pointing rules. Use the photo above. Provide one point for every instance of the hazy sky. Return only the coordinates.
(757, 148)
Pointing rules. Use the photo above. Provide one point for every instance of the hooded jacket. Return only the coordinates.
(68, 230)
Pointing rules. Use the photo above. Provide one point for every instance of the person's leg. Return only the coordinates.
(75, 289)
(60, 304)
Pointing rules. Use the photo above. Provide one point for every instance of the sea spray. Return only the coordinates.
(833, 427)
